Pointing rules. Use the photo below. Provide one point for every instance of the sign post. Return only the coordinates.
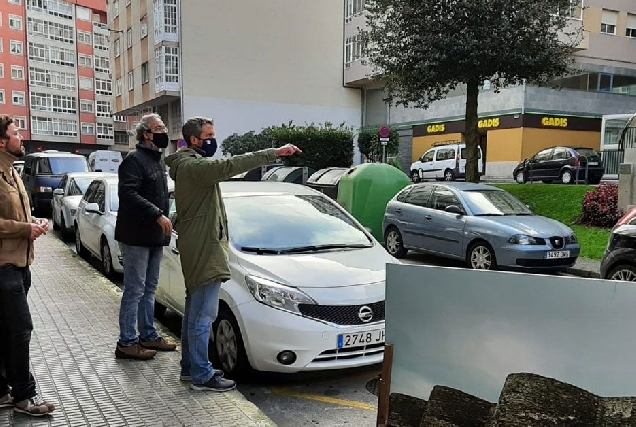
(385, 131)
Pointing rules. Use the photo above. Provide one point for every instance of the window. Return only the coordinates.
(105, 131)
(2, 99)
(117, 47)
(419, 196)
(100, 41)
(167, 68)
(55, 127)
(52, 54)
(1, 71)
(53, 103)
(58, 8)
(118, 87)
(88, 129)
(84, 60)
(52, 79)
(83, 14)
(144, 30)
(1, 44)
(145, 75)
(16, 47)
(20, 122)
(87, 106)
(608, 22)
(131, 80)
(353, 49)
(15, 22)
(14, 1)
(116, 7)
(120, 119)
(121, 138)
(560, 154)
(166, 20)
(443, 198)
(84, 37)
(102, 64)
(103, 108)
(445, 154)
(129, 38)
(103, 87)
(631, 25)
(19, 97)
(353, 8)
(544, 155)
(85, 83)
(17, 72)
(428, 156)
(51, 30)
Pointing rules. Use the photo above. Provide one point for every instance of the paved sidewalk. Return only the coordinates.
(75, 316)
(585, 267)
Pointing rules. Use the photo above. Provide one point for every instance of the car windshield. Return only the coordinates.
(494, 202)
(62, 165)
(114, 198)
(78, 186)
(284, 222)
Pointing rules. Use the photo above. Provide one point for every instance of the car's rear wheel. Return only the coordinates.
(624, 272)
(227, 348)
(449, 175)
(481, 256)
(415, 176)
(79, 247)
(107, 259)
(393, 243)
(566, 177)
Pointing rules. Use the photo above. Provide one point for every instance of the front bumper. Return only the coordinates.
(267, 331)
(534, 257)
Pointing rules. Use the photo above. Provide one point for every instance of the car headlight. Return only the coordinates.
(571, 239)
(522, 239)
(277, 295)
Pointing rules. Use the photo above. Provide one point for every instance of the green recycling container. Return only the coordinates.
(365, 190)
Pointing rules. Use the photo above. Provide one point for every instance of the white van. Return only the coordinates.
(104, 161)
(444, 162)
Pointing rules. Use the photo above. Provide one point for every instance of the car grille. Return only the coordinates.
(350, 353)
(342, 314)
(557, 242)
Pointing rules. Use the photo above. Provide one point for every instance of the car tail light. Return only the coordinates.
(577, 162)
(627, 218)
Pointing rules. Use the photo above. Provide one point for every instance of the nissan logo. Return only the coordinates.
(365, 314)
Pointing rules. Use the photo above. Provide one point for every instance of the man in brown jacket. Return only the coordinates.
(18, 231)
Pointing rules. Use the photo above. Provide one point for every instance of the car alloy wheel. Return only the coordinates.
(78, 243)
(107, 260)
(393, 242)
(519, 178)
(625, 273)
(566, 177)
(482, 257)
(449, 175)
(415, 176)
(226, 345)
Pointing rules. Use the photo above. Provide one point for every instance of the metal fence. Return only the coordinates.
(612, 160)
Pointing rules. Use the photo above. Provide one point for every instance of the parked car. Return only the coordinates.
(307, 288)
(561, 164)
(619, 261)
(66, 199)
(94, 224)
(255, 174)
(104, 161)
(43, 172)
(18, 165)
(483, 225)
(445, 162)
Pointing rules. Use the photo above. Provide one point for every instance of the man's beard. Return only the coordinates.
(18, 153)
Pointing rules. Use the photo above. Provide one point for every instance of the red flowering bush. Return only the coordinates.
(600, 207)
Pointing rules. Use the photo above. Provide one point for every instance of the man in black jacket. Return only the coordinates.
(142, 229)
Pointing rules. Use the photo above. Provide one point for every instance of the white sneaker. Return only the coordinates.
(6, 401)
(35, 406)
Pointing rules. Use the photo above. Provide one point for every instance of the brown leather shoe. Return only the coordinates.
(134, 352)
(160, 345)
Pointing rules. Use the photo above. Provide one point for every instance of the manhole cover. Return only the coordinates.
(373, 385)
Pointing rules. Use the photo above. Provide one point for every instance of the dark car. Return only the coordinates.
(619, 261)
(43, 172)
(255, 174)
(561, 164)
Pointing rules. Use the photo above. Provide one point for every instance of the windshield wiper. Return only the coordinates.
(259, 251)
(312, 248)
(490, 214)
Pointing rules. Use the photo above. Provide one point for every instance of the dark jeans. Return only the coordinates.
(15, 333)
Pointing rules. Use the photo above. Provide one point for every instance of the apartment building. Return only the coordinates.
(246, 66)
(522, 120)
(55, 73)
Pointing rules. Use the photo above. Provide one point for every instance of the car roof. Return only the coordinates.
(54, 154)
(90, 174)
(462, 186)
(262, 188)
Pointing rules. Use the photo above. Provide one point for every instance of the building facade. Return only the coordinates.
(55, 73)
(521, 120)
(234, 63)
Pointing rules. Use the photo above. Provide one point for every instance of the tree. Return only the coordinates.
(423, 49)
(369, 143)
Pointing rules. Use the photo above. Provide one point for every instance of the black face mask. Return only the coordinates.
(160, 140)
(209, 146)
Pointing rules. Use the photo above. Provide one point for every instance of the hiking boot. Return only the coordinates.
(134, 352)
(215, 384)
(186, 378)
(159, 344)
(6, 401)
(35, 406)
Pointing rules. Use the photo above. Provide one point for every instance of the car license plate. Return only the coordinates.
(557, 254)
(593, 163)
(360, 339)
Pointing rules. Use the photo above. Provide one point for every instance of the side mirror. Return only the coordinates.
(93, 208)
(58, 192)
(530, 207)
(454, 209)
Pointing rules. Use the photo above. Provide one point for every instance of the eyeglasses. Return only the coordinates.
(159, 129)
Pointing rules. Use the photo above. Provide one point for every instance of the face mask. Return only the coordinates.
(160, 140)
(209, 146)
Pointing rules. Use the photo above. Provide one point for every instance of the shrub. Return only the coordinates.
(369, 143)
(600, 207)
(247, 143)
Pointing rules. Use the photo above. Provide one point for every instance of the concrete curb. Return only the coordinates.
(583, 273)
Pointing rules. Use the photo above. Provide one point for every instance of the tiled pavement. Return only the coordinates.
(75, 315)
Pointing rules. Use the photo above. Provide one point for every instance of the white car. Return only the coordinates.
(67, 197)
(307, 288)
(446, 161)
(95, 224)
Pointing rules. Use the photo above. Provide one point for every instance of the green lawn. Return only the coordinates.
(563, 203)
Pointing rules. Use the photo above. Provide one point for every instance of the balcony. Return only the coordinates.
(166, 13)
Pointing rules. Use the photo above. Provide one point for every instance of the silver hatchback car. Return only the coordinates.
(483, 225)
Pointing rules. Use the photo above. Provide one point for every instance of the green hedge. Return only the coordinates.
(369, 143)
